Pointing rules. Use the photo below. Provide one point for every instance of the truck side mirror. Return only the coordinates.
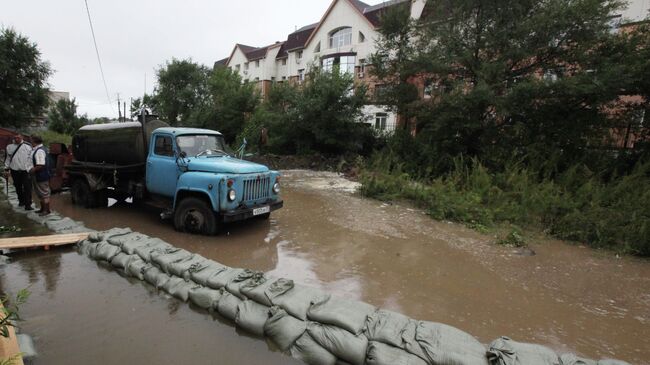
(182, 154)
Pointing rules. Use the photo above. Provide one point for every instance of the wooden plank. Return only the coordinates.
(42, 241)
(9, 346)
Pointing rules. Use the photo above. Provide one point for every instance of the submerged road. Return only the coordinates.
(568, 297)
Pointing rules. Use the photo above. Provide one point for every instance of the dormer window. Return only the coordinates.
(317, 49)
(362, 37)
(340, 37)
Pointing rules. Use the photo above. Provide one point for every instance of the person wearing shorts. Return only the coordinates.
(41, 174)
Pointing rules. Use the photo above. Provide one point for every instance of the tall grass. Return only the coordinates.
(576, 205)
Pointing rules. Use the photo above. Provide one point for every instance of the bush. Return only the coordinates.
(577, 205)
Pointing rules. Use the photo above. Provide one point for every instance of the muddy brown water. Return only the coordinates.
(568, 297)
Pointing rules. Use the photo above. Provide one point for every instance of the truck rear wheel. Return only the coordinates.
(81, 194)
(194, 215)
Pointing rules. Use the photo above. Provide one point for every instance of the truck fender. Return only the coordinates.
(182, 193)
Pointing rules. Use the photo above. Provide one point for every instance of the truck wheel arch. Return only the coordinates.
(193, 213)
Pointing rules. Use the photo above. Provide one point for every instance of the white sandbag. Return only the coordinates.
(120, 260)
(572, 359)
(251, 317)
(220, 280)
(297, 300)
(129, 242)
(310, 352)
(205, 298)
(152, 244)
(164, 258)
(351, 348)
(443, 344)
(347, 314)
(235, 284)
(178, 288)
(504, 351)
(387, 327)
(181, 268)
(204, 271)
(156, 277)
(105, 251)
(105, 235)
(136, 267)
(283, 329)
(612, 362)
(65, 225)
(382, 354)
(228, 305)
(255, 289)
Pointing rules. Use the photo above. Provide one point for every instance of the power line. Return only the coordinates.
(99, 60)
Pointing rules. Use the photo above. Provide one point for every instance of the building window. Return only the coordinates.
(362, 68)
(317, 49)
(299, 55)
(381, 91)
(257, 63)
(428, 88)
(301, 76)
(340, 37)
(344, 64)
(380, 121)
(237, 67)
(284, 62)
(246, 66)
(284, 78)
(362, 37)
(273, 80)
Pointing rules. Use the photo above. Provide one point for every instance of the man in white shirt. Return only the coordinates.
(41, 175)
(18, 162)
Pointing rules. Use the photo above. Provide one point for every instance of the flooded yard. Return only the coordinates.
(568, 297)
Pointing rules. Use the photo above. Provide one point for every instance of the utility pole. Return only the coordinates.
(119, 110)
(124, 103)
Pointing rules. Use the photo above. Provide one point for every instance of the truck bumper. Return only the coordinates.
(245, 213)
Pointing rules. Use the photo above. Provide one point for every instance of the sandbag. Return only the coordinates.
(65, 225)
(278, 288)
(120, 260)
(105, 251)
(156, 277)
(205, 298)
(382, 354)
(504, 351)
(387, 327)
(105, 235)
(235, 284)
(252, 316)
(152, 244)
(347, 314)
(297, 300)
(178, 288)
(283, 329)
(255, 289)
(220, 280)
(164, 258)
(612, 362)
(443, 344)
(180, 268)
(129, 242)
(136, 266)
(310, 352)
(228, 305)
(85, 247)
(571, 359)
(202, 272)
(340, 342)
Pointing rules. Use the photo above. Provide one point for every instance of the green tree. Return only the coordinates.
(321, 115)
(23, 77)
(62, 117)
(506, 79)
(229, 106)
(136, 105)
(182, 87)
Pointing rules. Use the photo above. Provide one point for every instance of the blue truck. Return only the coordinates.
(186, 172)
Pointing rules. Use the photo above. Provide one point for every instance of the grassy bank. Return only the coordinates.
(575, 206)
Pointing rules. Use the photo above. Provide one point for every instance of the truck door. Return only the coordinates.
(162, 171)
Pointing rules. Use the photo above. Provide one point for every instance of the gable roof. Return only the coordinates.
(222, 62)
(299, 38)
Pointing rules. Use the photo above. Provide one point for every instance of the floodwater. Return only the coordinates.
(568, 297)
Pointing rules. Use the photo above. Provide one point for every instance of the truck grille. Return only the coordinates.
(257, 188)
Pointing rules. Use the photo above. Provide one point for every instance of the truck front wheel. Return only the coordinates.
(81, 194)
(194, 215)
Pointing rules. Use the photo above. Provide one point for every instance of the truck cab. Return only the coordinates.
(206, 185)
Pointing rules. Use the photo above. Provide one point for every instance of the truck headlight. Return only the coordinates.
(276, 188)
(232, 195)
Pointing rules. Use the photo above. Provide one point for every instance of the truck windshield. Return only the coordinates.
(201, 144)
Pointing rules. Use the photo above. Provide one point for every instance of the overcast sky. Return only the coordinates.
(136, 36)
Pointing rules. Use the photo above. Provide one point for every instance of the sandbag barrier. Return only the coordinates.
(303, 322)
